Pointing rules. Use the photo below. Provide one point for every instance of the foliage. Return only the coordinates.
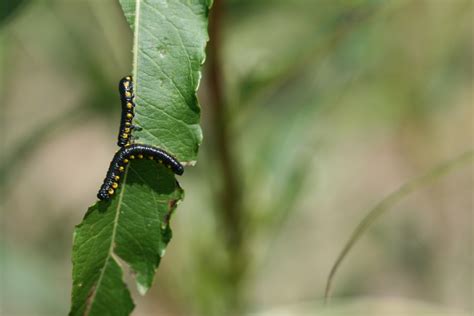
(328, 106)
(133, 225)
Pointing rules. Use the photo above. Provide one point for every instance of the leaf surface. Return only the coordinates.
(132, 228)
(168, 54)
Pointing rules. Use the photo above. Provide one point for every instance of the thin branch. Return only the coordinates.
(230, 213)
(231, 192)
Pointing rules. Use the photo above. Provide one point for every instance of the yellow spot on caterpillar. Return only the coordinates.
(150, 157)
(111, 191)
(132, 157)
(127, 130)
(125, 161)
(129, 115)
(126, 84)
(125, 135)
(121, 168)
(129, 105)
(117, 178)
(168, 166)
(160, 161)
(140, 156)
(128, 78)
(128, 123)
(115, 185)
(128, 94)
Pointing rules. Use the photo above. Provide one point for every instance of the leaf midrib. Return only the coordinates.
(135, 40)
(117, 215)
(111, 248)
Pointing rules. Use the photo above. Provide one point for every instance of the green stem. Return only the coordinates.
(229, 197)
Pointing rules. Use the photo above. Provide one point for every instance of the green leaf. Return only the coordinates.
(170, 39)
(133, 226)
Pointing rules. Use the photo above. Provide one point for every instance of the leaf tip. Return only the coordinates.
(142, 289)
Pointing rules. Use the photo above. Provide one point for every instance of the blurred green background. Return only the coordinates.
(329, 106)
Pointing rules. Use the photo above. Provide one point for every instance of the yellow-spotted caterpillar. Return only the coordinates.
(127, 153)
(128, 105)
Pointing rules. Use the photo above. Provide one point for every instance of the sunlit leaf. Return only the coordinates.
(133, 226)
(167, 63)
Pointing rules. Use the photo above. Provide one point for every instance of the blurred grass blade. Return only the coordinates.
(133, 226)
(9, 8)
(389, 201)
(15, 159)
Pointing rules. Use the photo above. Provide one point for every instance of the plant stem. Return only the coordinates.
(229, 197)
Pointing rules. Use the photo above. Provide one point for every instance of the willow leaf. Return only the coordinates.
(132, 227)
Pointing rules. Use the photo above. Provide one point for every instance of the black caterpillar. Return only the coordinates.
(124, 155)
(126, 97)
